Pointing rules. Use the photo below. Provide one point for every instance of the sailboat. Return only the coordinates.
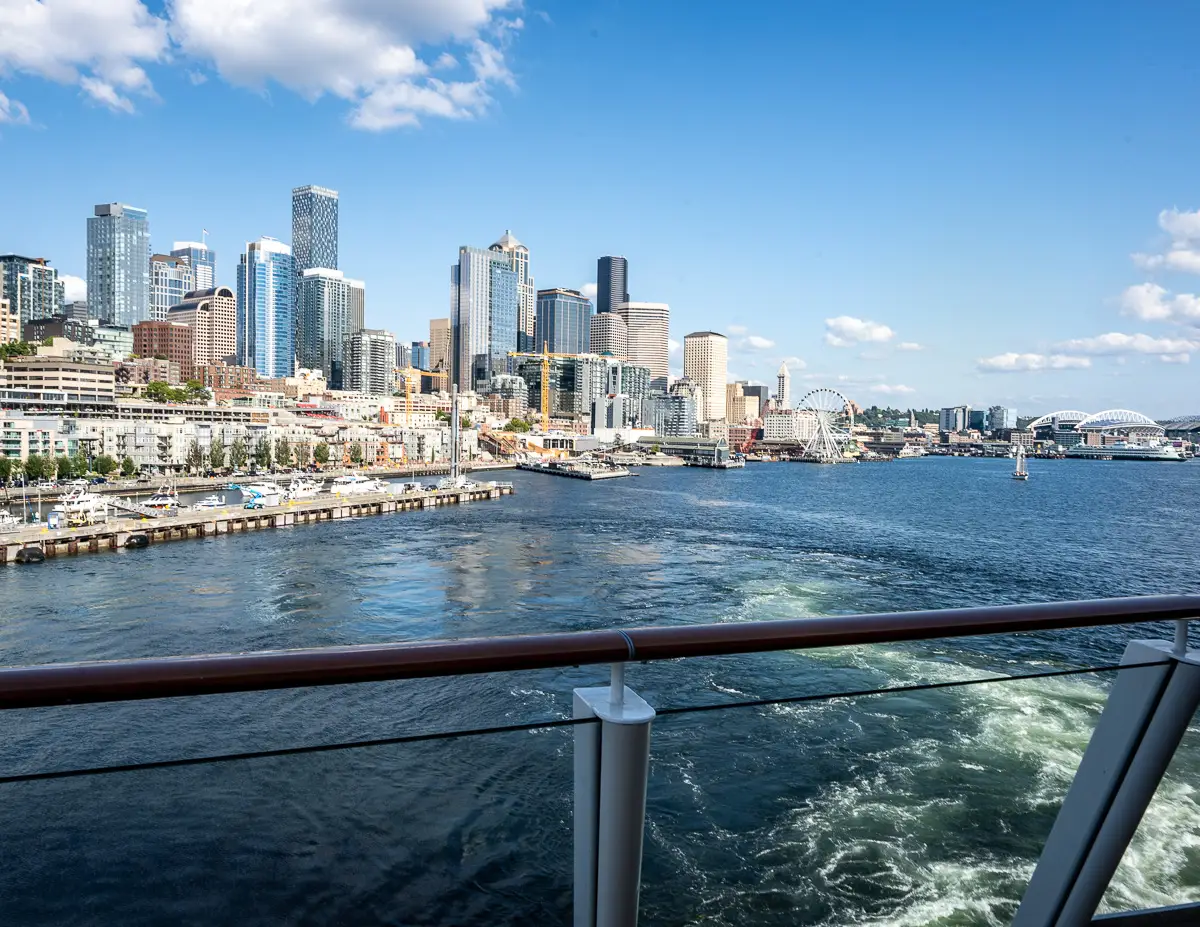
(1021, 472)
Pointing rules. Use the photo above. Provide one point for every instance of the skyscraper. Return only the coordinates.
(563, 323)
(171, 279)
(418, 355)
(266, 337)
(356, 306)
(321, 322)
(369, 362)
(118, 263)
(314, 228)
(212, 314)
(609, 335)
(484, 310)
(706, 363)
(783, 387)
(203, 260)
(518, 260)
(648, 325)
(1000, 418)
(439, 344)
(31, 287)
(612, 283)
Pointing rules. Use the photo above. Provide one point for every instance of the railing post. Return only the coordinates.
(1148, 711)
(612, 764)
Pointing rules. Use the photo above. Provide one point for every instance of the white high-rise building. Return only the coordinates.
(518, 260)
(609, 335)
(783, 387)
(706, 363)
(369, 362)
(171, 279)
(649, 325)
(322, 322)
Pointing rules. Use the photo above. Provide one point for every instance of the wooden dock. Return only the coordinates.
(116, 533)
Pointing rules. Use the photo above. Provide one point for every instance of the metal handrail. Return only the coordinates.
(126, 680)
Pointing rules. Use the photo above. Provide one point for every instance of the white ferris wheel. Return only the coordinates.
(826, 420)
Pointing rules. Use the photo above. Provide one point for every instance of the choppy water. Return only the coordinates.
(911, 809)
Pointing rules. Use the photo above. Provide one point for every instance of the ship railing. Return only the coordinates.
(1152, 700)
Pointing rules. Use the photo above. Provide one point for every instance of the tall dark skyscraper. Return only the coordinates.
(612, 283)
(314, 228)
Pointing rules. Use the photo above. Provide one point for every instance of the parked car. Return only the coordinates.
(98, 481)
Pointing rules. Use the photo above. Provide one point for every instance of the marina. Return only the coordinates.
(577, 470)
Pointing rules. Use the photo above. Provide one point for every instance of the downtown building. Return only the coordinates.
(202, 259)
(563, 324)
(953, 419)
(323, 321)
(10, 322)
(706, 363)
(484, 313)
(609, 335)
(612, 283)
(369, 362)
(171, 279)
(648, 325)
(171, 341)
(118, 264)
(212, 316)
(440, 344)
(578, 381)
(266, 337)
(518, 260)
(31, 287)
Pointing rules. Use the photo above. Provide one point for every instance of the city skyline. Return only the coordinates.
(994, 271)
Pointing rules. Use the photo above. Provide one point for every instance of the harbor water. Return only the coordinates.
(921, 808)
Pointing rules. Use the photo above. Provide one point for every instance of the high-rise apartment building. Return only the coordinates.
(954, 419)
(266, 336)
(439, 344)
(322, 324)
(706, 363)
(740, 405)
(202, 259)
(419, 355)
(118, 263)
(171, 279)
(314, 228)
(356, 305)
(518, 260)
(563, 324)
(612, 283)
(783, 387)
(10, 322)
(403, 356)
(369, 362)
(173, 340)
(1000, 418)
(648, 325)
(31, 287)
(212, 314)
(484, 310)
(609, 335)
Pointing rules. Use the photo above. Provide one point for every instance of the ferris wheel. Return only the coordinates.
(826, 419)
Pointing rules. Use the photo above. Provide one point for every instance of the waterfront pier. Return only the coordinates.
(117, 534)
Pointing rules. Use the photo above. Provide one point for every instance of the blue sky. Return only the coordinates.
(1010, 188)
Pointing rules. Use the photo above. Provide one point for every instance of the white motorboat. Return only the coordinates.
(81, 507)
(304, 489)
(910, 452)
(355, 484)
(209, 502)
(8, 522)
(261, 495)
(460, 482)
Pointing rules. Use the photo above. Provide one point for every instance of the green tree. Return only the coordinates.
(6, 470)
(104, 465)
(356, 454)
(81, 465)
(262, 453)
(517, 424)
(195, 391)
(238, 454)
(283, 453)
(158, 391)
(216, 454)
(35, 467)
(195, 457)
(127, 467)
(17, 349)
(441, 416)
(303, 453)
(47, 342)
(321, 453)
(64, 466)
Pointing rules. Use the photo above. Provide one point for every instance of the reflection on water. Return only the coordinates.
(921, 808)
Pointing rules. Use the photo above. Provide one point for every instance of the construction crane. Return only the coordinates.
(545, 354)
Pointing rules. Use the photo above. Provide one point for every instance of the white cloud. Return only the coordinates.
(1181, 226)
(1016, 363)
(1121, 343)
(13, 111)
(364, 53)
(673, 346)
(887, 390)
(758, 342)
(1176, 358)
(197, 78)
(793, 363)
(737, 329)
(909, 346)
(845, 331)
(1182, 259)
(101, 46)
(589, 290)
(1151, 302)
(74, 288)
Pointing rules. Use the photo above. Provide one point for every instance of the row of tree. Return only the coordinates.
(39, 467)
(192, 391)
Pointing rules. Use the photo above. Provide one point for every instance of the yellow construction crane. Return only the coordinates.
(412, 380)
(545, 355)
